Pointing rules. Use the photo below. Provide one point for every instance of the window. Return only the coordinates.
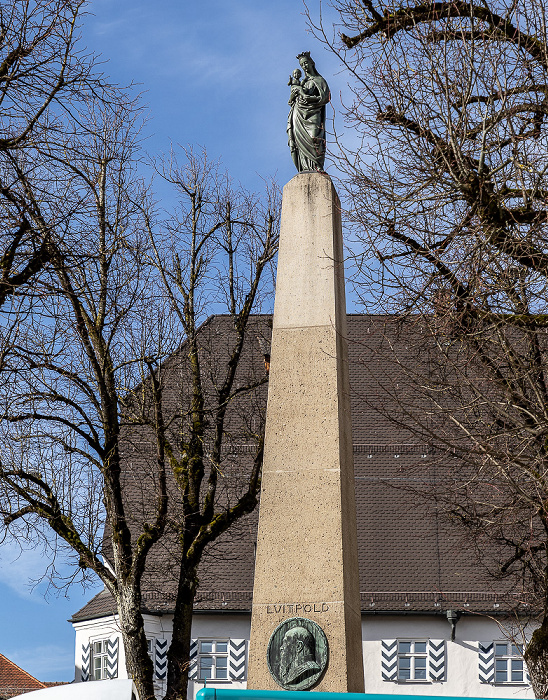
(412, 661)
(509, 666)
(99, 660)
(150, 648)
(212, 660)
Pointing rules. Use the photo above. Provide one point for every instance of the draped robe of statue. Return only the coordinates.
(306, 124)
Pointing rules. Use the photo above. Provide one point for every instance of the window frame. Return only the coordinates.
(151, 644)
(214, 654)
(509, 658)
(412, 655)
(103, 655)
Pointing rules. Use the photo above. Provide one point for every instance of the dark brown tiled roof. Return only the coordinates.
(410, 560)
(101, 604)
(14, 681)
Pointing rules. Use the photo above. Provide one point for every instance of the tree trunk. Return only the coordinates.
(138, 662)
(179, 651)
(536, 658)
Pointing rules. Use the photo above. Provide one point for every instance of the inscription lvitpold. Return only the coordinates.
(296, 608)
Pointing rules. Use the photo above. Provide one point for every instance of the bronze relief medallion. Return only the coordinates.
(297, 654)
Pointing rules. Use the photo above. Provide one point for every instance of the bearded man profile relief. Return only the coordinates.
(297, 656)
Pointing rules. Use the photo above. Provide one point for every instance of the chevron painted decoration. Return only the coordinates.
(86, 659)
(193, 660)
(486, 662)
(436, 659)
(389, 659)
(236, 659)
(160, 659)
(112, 659)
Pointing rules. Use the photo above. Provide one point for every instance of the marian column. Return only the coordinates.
(306, 620)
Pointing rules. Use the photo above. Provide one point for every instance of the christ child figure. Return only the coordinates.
(294, 80)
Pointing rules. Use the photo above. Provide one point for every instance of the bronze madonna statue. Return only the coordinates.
(306, 121)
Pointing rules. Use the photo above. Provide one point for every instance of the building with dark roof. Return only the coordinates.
(420, 582)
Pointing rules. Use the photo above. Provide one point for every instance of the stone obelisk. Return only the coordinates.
(306, 622)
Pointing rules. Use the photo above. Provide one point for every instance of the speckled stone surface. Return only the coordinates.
(307, 562)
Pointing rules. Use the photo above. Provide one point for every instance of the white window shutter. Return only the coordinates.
(112, 659)
(86, 660)
(436, 660)
(160, 659)
(486, 662)
(389, 659)
(236, 659)
(193, 660)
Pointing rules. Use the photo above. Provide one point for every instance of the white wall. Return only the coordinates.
(220, 627)
(461, 677)
(461, 655)
(102, 628)
(213, 626)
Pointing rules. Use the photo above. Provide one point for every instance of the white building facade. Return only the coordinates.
(403, 654)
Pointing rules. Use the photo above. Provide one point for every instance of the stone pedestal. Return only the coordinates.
(307, 561)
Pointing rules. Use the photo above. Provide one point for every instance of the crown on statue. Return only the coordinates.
(304, 54)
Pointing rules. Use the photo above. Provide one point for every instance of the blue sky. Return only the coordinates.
(214, 74)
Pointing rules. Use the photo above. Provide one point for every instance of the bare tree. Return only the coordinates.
(216, 254)
(88, 369)
(445, 182)
(66, 367)
(45, 84)
(93, 309)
